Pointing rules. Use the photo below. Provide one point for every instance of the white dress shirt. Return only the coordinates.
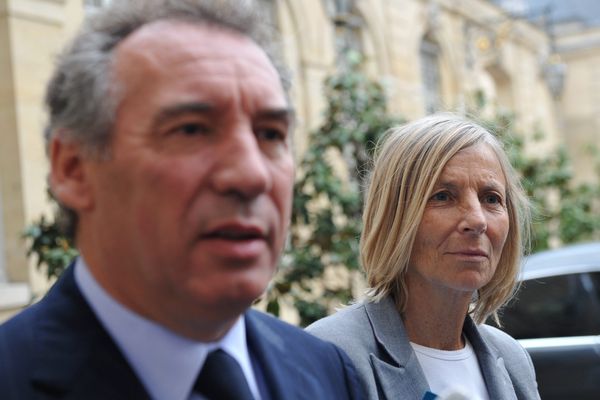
(166, 363)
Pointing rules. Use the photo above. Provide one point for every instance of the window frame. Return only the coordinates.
(431, 77)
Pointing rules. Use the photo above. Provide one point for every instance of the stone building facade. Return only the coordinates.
(429, 55)
(578, 46)
(31, 34)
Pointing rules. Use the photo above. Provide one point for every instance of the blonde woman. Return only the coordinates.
(445, 224)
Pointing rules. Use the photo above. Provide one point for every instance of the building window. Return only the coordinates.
(268, 9)
(348, 26)
(349, 38)
(430, 74)
(93, 5)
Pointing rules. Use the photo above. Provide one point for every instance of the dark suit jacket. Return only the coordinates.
(57, 348)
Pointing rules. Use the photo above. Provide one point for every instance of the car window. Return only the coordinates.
(595, 281)
(565, 305)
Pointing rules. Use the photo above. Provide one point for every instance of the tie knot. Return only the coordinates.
(222, 378)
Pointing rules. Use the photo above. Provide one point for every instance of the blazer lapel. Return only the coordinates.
(397, 369)
(495, 374)
(75, 357)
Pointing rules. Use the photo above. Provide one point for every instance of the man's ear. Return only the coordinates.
(69, 178)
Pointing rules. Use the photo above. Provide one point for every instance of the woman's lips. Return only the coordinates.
(470, 255)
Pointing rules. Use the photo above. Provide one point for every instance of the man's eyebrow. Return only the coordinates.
(180, 109)
(285, 114)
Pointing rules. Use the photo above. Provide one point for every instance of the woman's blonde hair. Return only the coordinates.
(408, 162)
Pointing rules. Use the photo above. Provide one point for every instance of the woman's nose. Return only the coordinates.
(473, 219)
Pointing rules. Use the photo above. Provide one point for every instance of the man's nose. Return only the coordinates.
(243, 167)
(473, 219)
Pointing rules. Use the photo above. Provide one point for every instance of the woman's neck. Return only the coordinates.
(436, 319)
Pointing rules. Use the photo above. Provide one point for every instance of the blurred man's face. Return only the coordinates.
(191, 212)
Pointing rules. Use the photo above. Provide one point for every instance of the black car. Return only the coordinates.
(556, 317)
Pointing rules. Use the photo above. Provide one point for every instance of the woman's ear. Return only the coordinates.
(68, 179)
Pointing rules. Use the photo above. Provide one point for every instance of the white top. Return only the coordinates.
(166, 363)
(452, 371)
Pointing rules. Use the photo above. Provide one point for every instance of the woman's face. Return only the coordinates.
(464, 225)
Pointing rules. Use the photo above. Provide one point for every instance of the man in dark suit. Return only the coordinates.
(169, 143)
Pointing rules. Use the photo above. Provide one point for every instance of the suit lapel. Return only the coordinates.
(270, 355)
(397, 369)
(497, 379)
(75, 357)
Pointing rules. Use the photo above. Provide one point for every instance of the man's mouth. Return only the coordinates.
(234, 235)
(236, 240)
(236, 232)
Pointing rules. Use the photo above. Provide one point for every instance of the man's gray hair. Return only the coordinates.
(82, 95)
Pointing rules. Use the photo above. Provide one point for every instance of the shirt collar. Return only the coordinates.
(166, 363)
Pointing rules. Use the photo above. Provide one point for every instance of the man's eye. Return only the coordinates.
(192, 129)
(271, 134)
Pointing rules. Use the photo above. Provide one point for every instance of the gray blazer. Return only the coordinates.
(373, 336)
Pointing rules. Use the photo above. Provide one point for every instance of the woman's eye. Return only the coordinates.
(492, 199)
(441, 196)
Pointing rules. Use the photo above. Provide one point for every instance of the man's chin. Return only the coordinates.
(237, 296)
(243, 297)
